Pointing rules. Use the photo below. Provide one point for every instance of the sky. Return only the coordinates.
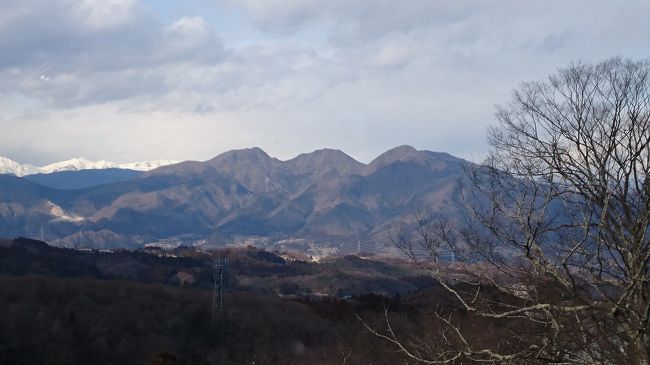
(131, 80)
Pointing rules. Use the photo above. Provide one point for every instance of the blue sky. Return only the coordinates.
(128, 80)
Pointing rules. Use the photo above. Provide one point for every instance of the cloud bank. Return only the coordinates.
(126, 79)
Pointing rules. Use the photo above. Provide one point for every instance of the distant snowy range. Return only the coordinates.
(8, 166)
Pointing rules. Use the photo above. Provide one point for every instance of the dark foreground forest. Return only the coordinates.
(90, 321)
(63, 306)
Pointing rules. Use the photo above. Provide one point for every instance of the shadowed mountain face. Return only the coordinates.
(81, 179)
(323, 196)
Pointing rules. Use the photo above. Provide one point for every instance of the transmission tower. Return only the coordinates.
(220, 276)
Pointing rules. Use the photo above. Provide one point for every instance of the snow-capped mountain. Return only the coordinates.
(76, 164)
(8, 166)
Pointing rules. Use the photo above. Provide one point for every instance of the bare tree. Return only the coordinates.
(557, 249)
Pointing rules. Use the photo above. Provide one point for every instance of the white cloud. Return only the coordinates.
(98, 51)
(101, 14)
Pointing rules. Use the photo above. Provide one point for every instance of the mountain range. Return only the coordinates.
(323, 198)
(8, 166)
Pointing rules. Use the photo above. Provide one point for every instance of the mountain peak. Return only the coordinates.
(324, 154)
(8, 166)
(323, 160)
(402, 149)
(241, 159)
(251, 167)
(77, 163)
(244, 153)
(399, 153)
(410, 154)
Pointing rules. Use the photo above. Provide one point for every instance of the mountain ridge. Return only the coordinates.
(324, 196)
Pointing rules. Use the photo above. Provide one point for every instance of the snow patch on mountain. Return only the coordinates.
(61, 215)
(146, 165)
(77, 164)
